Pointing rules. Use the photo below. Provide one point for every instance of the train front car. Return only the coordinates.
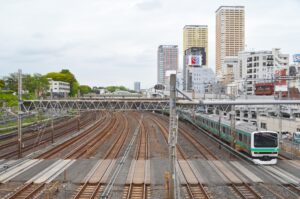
(264, 147)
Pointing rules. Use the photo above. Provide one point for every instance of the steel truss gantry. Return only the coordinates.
(30, 105)
(145, 104)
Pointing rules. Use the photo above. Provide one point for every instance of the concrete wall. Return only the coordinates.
(290, 125)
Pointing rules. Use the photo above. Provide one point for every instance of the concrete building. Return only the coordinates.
(273, 124)
(230, 36)
(259, 66)
(167, 59)
(196, 75)
(137, 87)
(195, 36)
(59, 88)
(179, 80)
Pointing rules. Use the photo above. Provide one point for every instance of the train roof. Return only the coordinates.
(239, 125)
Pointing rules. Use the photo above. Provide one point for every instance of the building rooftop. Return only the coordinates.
(195, 26)
(168, 46)
(230, 7)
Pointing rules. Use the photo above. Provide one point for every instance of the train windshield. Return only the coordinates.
(265, 139)
(297, 135)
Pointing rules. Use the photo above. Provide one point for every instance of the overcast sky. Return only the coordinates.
(114, 42)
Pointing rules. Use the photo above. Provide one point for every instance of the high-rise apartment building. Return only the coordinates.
(230, 36)
(259, 66)
(195, 36)
(167, 59)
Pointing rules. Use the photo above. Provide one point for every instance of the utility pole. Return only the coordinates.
(280, 121)
(19, 113)
(232, 125)
(52, 129)
(173, 193)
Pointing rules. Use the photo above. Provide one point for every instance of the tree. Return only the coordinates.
(115, 88)
(36, 84)
(2, 83)
(65, 76)
(11, 82)
(84, 89)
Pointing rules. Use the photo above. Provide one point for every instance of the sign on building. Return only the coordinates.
(280, 84)
(296, 58)
(194, 60)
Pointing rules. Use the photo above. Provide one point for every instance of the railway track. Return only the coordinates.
(31, 141)
(294, 188)
(90, 189)
(137, 187)
(89, 145)
(27, 191)
(59, 148)
(241, 190)
(192, 189)
(93, 188)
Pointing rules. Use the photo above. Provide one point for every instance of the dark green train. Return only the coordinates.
(260, 145)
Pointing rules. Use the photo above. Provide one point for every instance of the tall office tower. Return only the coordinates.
(167, 60)
(195, 36)
(230, 37)
(137, 87)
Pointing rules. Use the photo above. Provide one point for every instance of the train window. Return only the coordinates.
(223, 129)
(245, 139)
(249, 140)
(227, 130)
(240, 137)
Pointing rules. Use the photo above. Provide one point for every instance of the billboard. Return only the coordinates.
(280, 84)
(194, 60)
(296, 58)
(195, 56)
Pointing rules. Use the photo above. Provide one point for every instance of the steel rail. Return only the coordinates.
(111, 153)
(141, 154)
(180, 152)
(66, 130)
(19, 194)
(80, 150)
(110, 184)
(63, 145)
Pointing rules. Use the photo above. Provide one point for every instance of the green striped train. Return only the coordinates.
(260, 145)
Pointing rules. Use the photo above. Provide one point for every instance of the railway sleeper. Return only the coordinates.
(245, 191)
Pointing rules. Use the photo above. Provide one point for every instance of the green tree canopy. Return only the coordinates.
(115, 88)
(85, 89)
(2, 83)
(36, 84)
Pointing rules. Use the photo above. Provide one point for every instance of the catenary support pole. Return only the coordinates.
(173, 193)
(19, 113)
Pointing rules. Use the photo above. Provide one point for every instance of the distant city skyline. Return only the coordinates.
(115, 42)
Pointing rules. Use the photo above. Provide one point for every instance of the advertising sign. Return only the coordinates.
(296, 58)
(195, 60)
(281, 84)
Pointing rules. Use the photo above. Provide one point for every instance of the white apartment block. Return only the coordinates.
(259, 66)
(59, 88)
